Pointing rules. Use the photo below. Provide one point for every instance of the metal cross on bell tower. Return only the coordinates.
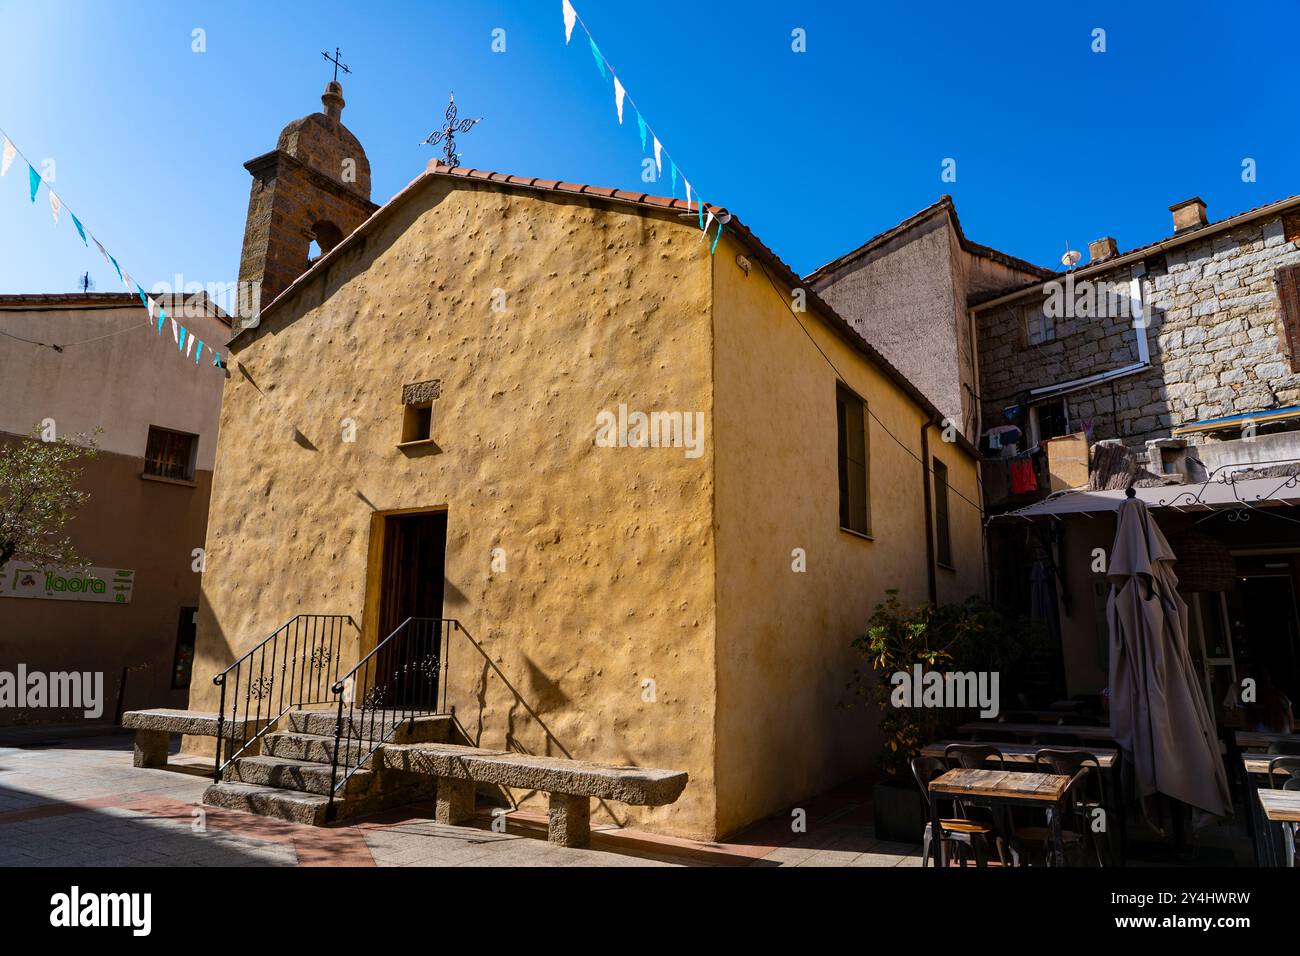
(447, 134)
(335, 59)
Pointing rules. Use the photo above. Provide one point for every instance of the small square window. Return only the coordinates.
(170, 454)
(417, 410)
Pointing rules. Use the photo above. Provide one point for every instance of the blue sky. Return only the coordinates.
(816, 151)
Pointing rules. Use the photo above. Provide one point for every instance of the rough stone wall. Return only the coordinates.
(1213, 337)
(609, 571)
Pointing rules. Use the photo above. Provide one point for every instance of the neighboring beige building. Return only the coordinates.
(907, 291)
(452, 364)
(148, 488)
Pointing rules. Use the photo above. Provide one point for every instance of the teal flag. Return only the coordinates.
(600, 60)
(33, 180)
(117, 267)
(162, 317)
(216, 360)
(81, 232)
(181, 342)
(674, 171)
(640, 125)
(714, 247)
(198, 352)
(700, 206)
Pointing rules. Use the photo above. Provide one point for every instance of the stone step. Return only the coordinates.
(312, 747)
(302, 775)
(435, 728)
(292, 805)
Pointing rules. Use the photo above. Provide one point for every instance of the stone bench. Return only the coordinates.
(571, 784)
(154, 728)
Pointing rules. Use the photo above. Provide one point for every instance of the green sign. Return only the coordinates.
(105, 585)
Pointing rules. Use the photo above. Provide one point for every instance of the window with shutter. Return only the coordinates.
(851, 425)
(1287, 280)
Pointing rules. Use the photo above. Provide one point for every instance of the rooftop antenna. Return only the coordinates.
(1071, 257)
(85, 283)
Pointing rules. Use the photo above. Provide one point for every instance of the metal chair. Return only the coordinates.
(973, 756)
(1290, 765)
(1083, 803)
(954, 830)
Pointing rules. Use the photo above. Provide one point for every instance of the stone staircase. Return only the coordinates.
(289, 776)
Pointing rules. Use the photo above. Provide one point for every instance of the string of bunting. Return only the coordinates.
(649, 139)
(186, 341)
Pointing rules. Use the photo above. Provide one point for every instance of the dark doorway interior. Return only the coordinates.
(1267, 634)
(412, 578)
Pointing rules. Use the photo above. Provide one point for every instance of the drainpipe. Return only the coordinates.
(929, 517)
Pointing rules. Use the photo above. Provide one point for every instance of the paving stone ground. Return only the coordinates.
(80, 802)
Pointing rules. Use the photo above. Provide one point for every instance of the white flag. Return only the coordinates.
(9, 153)
(659, 162)
(707, 223)
(189, 344)
(570, 18)
(688, 193)
(102, 251)
(126, 280)
(176, 335)
(54, 206)
(618, 98)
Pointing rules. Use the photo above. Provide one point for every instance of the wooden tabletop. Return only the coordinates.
(1005, 784)
(1258, 763)
(1082, 731)
(1279, 805)
(1024, 753)
(1256, 738)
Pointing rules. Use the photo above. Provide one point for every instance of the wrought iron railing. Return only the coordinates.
(296, 665)
(399, 680)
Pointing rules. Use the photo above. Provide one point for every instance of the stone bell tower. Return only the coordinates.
(315, 185)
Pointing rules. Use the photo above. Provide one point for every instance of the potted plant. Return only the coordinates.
(968, 636)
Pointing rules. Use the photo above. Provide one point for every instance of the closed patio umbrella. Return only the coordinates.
(1157, 713)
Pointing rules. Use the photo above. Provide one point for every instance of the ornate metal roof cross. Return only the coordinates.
(448, 133)
(335, 60)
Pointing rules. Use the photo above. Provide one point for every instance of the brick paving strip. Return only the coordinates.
(314, 846)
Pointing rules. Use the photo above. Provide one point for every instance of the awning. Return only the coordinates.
(1236, 421)
(1212, 495)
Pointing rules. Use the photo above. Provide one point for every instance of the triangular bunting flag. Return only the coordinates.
(688, 192)
(176, 332)
(162, 317)
(102, 251)
(216, 360)
(640, 126)
(659, 162)
(126, 281)
(116, 266)
(619, 93)
(600, 60)
(570, 18)
(189, 344)
(55, 205)
(80, 231)
(33, 180)
(708, 223)
(198, 351)
(181, 344)
(145, 301)
(713, 248)
(10, 151)
(699, 206)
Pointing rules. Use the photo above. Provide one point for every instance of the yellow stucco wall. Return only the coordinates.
(783, 636)
(610, 569)
(623, 564)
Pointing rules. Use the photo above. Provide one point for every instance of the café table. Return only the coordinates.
(1108, 760)
(1002, 788)
(1281, 809)
(1082, 731)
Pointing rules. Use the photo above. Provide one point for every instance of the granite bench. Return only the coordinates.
(571, 784)
(154, 728)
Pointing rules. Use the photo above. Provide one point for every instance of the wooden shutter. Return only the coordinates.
(1287, 280)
